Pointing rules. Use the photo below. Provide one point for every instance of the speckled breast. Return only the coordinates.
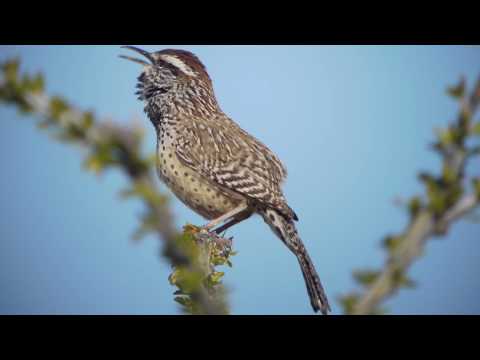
(194, 191)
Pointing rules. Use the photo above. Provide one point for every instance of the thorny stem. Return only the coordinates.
(423, 228)
(424, 225)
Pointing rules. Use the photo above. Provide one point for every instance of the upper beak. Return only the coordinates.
(140, 51)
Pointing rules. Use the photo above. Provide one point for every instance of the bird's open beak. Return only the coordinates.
(140, 51)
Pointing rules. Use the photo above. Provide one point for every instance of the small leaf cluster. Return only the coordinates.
(14, 86)
(206, 251)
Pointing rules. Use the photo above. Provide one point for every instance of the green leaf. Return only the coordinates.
(448, 175)
(183, 301)
(87, 120)
(457, 91)
(348, 302)
(392, 242)
(151, 159)
(38, 84)
(58, 106)
(218, 260)
(476, 187)
(148, 225)
(94, 163)
(476, 128)
(402, 280)
(172, 278)
(186, 280)
(437, 200)
(366, 277)
(10, 70)
(414, 206)
(216, 276)
(446, 137)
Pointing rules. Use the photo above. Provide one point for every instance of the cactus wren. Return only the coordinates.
(212, 165)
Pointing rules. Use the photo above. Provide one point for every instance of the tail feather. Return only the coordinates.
(318, 299)
(285, 229)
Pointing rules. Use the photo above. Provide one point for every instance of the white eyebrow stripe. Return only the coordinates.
(178, 64)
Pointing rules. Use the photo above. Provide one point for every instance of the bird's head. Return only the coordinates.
(167, 71)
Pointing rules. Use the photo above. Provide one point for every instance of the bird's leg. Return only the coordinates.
(242, 207)
(239, 218)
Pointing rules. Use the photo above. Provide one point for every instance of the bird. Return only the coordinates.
(209, 162)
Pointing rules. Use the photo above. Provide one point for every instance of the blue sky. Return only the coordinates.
(351, 124)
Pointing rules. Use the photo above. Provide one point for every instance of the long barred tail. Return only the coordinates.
(285, 229)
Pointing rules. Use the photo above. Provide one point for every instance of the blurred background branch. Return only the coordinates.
(449, 197)
(194, 255)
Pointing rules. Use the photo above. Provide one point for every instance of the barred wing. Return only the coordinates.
(222, 152)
